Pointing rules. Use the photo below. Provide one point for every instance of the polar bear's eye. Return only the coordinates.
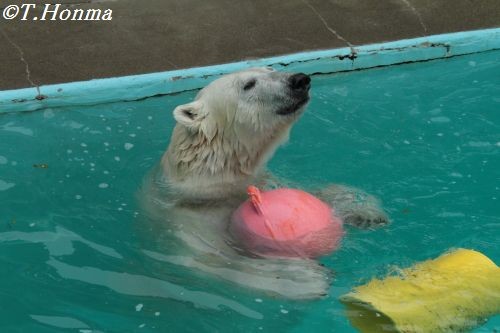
(250, 84)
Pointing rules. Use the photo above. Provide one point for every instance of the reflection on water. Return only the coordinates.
(138, 285)
(58, 243)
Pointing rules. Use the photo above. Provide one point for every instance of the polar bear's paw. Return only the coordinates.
(291, 278)
(298, 279)
(354, 206)
(365, 218)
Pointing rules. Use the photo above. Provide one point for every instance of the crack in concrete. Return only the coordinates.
(172, 64)
(327, 26)
(26, 65)
(417, 14)
(86, 2)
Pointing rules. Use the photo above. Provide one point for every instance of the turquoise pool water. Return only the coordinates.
(423, 137)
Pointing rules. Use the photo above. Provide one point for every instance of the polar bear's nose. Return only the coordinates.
(300, 81)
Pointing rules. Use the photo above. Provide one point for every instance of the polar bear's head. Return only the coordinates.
(233, 126)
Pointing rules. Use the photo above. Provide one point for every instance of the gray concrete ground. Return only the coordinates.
(159, 35)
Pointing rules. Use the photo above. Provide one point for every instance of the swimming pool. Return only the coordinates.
(76, 256)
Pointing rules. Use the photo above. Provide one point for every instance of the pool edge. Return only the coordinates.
(135, 87)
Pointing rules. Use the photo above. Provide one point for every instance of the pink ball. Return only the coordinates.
(286, 223)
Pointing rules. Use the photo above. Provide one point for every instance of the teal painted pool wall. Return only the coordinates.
(128, 88)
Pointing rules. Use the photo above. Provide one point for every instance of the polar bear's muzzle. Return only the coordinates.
(299, 85)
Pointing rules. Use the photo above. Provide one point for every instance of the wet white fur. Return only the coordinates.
(224, 138)
(220, 144)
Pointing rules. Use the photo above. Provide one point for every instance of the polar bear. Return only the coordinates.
(219, 146)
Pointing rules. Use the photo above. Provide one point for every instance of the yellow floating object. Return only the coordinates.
(452, 293)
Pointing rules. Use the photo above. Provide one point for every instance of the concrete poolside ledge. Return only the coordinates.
(130, 88)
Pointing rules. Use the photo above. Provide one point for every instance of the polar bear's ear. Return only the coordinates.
(189, 114)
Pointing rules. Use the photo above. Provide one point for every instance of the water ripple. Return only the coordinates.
(58, 243)
(138, 285)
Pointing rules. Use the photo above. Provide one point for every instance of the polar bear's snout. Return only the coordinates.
(299, 82)
(299, 85)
